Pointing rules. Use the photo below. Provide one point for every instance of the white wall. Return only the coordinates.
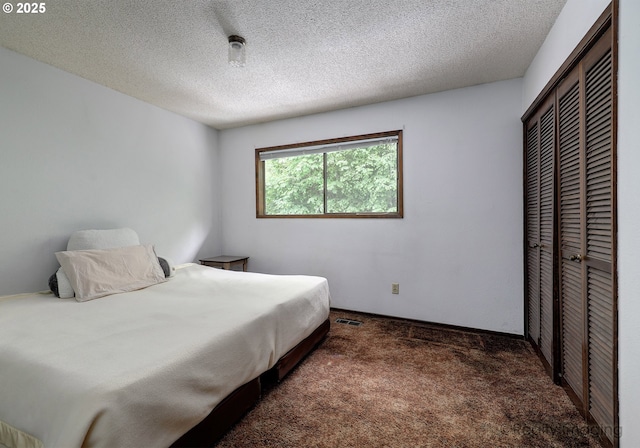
(575, 19)
(629, 222)
(76, 155)
(457, 254)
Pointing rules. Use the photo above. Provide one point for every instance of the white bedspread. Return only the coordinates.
(141, 368)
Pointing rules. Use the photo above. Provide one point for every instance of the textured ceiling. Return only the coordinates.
(303, 56)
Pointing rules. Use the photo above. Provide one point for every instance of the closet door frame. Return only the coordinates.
(607, 20)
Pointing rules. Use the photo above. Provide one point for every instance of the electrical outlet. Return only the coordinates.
(395, 288)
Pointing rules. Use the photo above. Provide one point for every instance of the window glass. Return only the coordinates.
(363, 180)
(349, 177)
(294, 185)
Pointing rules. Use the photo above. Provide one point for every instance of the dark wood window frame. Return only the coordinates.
(260, 177)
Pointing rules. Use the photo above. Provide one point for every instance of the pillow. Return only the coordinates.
(102, 239)
(167, 267)
(53, 284)
(101, 272)
(60, 286)
(90, 239)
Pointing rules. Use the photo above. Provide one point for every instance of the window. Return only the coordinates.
(351, 177)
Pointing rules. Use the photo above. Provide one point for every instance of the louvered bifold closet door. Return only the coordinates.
(586, 229)
(547, 151)
(570, 233)
(540, 146)
(533, 232)
(598, 239)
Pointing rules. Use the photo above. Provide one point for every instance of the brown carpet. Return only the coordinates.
(391, 383)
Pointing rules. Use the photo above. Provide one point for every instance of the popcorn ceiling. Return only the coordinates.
(303, 56)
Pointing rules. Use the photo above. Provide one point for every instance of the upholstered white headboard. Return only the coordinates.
(102, 239)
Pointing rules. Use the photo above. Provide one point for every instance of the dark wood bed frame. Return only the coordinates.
(241, 400)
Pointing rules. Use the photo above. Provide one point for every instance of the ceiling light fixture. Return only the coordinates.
(237, 52)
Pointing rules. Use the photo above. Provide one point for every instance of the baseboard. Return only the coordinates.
(434, 324)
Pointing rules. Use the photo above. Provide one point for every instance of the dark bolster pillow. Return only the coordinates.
(164, 264)
(53, 284)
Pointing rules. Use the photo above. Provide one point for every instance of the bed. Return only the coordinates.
(176, 363)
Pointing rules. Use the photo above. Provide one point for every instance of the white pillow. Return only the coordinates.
(101, 272)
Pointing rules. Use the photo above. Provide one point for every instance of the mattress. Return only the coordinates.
(142, 368)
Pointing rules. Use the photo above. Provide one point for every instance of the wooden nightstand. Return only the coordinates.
(225, 262)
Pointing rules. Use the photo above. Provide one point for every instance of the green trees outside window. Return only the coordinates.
(340, 178)
(294, 185)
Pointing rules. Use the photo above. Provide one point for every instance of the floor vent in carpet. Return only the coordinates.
(355, 323)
